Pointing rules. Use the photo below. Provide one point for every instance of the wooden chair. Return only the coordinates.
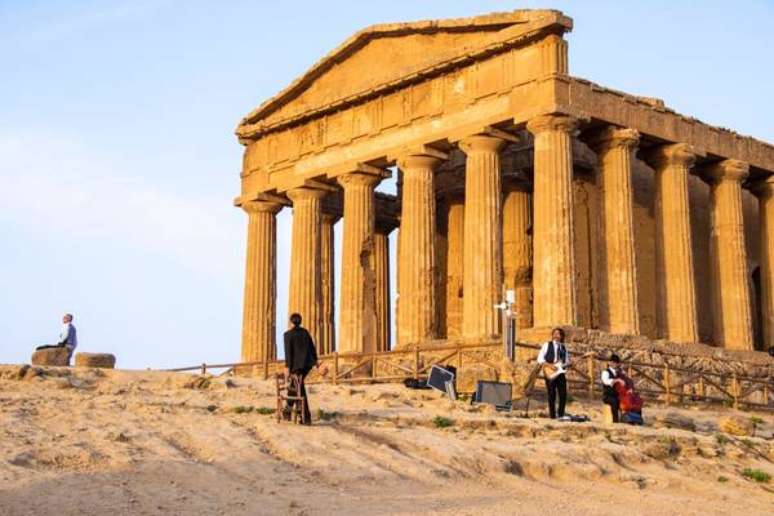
(289, 389)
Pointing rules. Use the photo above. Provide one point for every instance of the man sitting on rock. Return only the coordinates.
(68, 337)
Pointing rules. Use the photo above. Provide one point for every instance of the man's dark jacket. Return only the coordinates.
(300, 353)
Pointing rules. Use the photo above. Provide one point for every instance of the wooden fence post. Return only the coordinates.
(459, 358)
(765, 394)
(204, 368)
(373, 365)
(667, 386)
(590, 371)
(335, 367)
(265, 368)
(735, 390)
(416, 362)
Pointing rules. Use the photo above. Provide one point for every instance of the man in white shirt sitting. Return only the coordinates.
(68, 337)
(555, 360)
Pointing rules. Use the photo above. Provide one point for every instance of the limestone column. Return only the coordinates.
(614, 147)
(482, 247)
(553, 274)
(676, 307)
(455, 223)
(327, 343)
(305, 291)
(416, 254)
(765, 191)
(517, 250)
(357, 321)
(382, 274)
(731, 302)
(259, 313)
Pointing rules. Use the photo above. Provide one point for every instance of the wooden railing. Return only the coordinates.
(659, 382)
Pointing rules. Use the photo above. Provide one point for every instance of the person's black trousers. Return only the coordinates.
(614, 406)
(305, 408)
(557, 385)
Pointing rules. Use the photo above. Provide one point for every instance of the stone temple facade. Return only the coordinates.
(600, 209)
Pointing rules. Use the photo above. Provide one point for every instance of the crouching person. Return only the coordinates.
(612, 377)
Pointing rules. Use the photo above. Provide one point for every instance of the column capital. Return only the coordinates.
(330, 218)
(409, 161)
(480, 143)
(726, 170)
(303, 193)
(763, 187)
(358, 178)
(259, 206)
(611, 137)
(555, 122)
(672, 154)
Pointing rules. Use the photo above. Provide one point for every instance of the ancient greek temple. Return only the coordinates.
(600, 209)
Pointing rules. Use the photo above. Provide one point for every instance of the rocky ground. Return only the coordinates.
(88, 441)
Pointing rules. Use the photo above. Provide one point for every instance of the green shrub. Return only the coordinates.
(722, 479)
(442, 422)
(241, 409)
(265, 411)
(721, 439)
(756, 421)
(756, 474)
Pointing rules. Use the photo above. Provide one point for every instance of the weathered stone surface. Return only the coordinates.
(101, 360)
(51, 357)
(468, 377)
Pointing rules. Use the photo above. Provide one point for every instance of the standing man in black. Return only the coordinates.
(555, 360)
(300, 358)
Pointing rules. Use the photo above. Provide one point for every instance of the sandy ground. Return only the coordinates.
(118, 442)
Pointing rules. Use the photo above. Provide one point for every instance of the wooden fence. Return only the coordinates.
(659, 382)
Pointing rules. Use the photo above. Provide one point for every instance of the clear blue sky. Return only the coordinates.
(118, 162)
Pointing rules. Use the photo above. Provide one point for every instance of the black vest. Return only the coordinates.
(550, 358)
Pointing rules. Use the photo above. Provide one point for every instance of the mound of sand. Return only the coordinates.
(94, 441)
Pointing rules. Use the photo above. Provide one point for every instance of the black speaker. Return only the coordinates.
(493, 393)
(438, 378)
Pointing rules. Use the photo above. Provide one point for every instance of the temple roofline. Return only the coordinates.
(249, 126)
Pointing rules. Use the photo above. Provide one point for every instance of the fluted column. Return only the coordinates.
(327, 342)
(483, 256)
(676, 307)
(553, 274)
(731, 302)
(455, 223)
(614, 147)
(259, 312)
(382, 274)
(305, 291)
(357, 326)
(517, 250)
(765, 191)
(416, 260)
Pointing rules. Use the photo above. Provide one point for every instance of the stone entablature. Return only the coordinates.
(588, 202)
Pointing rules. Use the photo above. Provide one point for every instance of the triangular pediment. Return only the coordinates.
(383, 55)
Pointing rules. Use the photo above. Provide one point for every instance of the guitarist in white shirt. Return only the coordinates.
(555, 360)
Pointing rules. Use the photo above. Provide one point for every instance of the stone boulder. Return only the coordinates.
(735, 425)
(51, 357)
(102, 360)
(675, 420)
